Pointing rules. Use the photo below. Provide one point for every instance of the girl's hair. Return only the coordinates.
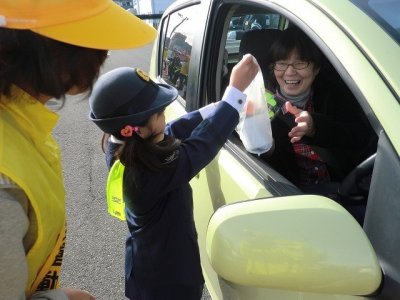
(45, 66)
(155, 156)
(289, 40)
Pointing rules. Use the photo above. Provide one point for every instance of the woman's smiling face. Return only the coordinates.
(295, 82)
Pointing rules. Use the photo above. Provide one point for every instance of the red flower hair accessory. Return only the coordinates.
(128, 130)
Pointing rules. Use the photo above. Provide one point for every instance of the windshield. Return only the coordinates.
(384, 12)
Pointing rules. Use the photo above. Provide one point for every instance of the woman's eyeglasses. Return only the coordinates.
(299, 65)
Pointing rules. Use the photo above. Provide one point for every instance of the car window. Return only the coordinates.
(243, 38)
(239, 24)
(178, 47)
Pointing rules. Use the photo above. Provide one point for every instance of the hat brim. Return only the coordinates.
(165, 96)
(113, 28)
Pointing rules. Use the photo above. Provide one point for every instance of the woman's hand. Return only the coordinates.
(76, 294)
(244, 72)
(305, 123)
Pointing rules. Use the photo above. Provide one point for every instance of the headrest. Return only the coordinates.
(258, 43)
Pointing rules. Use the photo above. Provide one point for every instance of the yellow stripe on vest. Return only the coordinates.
(49, 274)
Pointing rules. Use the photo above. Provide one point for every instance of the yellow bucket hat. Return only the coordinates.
(99, 24)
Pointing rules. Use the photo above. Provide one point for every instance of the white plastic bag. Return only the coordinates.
(254, 126)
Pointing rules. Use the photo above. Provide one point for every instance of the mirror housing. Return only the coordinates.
(301, 243)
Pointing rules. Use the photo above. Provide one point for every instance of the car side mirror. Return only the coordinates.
(301, 243)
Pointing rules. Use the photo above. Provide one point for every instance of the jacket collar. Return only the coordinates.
(33, 117)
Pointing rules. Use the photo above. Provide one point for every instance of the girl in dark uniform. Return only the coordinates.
(162, 255)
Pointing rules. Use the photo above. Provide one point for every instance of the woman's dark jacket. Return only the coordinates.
(343, 137)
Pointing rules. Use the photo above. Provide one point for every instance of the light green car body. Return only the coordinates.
(255, 246)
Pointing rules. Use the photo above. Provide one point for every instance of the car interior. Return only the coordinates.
(352, 191)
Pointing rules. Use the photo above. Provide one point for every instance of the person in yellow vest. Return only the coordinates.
(183, 73)
(48, 49)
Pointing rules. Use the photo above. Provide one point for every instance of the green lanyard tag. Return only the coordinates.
(271, 102)
(115, 202)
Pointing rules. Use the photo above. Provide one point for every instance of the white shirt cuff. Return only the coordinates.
(235, 98)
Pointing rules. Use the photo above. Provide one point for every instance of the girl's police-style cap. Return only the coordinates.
(127, 96)
(98, 24)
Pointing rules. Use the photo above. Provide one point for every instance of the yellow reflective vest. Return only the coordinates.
(30, 157)
(114, 194)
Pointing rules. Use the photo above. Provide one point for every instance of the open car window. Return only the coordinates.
(241, 38)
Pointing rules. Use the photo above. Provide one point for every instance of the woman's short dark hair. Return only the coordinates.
(293, 38)
(44, 65)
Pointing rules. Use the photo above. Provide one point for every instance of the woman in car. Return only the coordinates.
(319, 131)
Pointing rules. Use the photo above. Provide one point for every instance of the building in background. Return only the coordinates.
(145, 7)
(149, 10)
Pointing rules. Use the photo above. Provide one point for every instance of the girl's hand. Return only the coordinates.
(305, 123)
(244, 72)
(76, 294)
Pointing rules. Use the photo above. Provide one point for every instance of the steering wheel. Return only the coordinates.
(355, 186)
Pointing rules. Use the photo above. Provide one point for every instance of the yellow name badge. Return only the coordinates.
(142, 75)
(115, 202)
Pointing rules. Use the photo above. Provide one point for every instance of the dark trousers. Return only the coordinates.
(171, 292)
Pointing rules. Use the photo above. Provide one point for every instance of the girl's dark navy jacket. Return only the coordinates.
(162, 248)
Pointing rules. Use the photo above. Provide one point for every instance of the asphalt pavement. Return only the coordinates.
(94, 253)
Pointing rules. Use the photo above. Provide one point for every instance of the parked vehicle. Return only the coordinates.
(260, 236)
(145, 7)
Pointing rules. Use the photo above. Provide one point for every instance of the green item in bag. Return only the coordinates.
(272, 104)
(115, 202)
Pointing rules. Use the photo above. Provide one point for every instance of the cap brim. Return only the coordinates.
(165, 96)
(114, 28)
